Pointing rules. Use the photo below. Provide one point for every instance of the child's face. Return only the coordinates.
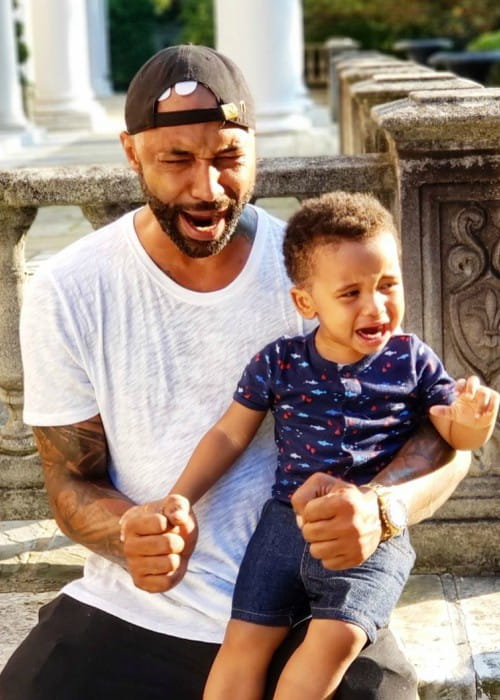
(356, 292)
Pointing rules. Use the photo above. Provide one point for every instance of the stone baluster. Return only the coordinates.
(15, 437)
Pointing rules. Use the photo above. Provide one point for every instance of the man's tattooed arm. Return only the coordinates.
(425, 472)
(85, 504)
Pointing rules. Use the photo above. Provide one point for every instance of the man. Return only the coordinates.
(133, 339)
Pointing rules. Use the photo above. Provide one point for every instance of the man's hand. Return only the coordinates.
(339, 520)
(158, 539)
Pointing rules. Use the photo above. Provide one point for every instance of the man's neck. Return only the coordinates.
(197, 274)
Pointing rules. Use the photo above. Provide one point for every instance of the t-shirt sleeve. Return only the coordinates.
(57, 390)
(254, 389)
(435, 384)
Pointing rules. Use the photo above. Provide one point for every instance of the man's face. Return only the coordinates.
(196, 178)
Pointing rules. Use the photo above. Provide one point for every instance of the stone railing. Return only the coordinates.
(428, 145)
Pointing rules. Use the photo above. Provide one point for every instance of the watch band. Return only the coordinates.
(387, 505)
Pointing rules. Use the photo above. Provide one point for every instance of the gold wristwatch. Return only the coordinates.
(392, 510)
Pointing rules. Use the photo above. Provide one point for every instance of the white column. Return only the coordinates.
(11, 105)
(64, 98)
(97, 18)
(265, 39)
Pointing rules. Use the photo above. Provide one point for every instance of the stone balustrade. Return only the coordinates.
(429, 147)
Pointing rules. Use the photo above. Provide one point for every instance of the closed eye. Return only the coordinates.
(350, 294)
(388, 285)
(228, 160)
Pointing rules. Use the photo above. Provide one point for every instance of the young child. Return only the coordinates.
(345, 398)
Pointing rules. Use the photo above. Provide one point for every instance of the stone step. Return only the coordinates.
(448, 625)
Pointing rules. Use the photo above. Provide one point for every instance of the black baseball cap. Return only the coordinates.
(178, 64)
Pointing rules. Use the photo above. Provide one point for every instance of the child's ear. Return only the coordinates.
(303, 302)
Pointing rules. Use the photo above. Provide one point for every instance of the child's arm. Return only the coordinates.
(469, 421)
(218, 450)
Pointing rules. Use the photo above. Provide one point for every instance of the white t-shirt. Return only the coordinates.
(103, 330)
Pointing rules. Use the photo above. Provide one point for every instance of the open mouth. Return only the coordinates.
(204, 225)
(373, 334)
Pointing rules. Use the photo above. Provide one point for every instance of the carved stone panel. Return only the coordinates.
(461, 287)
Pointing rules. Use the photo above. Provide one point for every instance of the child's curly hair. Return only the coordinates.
(331, 218)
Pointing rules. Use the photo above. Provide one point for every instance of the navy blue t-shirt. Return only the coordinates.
(344, 420)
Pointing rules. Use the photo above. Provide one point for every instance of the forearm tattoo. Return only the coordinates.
(425, 452)
(85, 503)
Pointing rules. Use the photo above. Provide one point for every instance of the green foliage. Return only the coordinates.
(490, 41)
(131, 28)
(22, 48)
(161, 6)
(139, 28)
(197, 19)
(378, 23)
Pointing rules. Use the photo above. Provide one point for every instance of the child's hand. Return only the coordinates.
(475, 406)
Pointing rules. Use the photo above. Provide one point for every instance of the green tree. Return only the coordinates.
(378, 23)
(197, 19)
(131, 29)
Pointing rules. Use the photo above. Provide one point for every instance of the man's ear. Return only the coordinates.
(303, 302)
(128, 146)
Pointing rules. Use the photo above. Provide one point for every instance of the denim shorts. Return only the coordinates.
(280, 583)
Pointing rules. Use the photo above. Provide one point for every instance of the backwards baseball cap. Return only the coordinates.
(184, 64)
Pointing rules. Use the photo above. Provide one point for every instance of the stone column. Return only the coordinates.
(63, 95)
(269, 50)
(97, 19)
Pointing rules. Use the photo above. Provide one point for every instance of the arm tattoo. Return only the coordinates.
(85, 503)
(424, 452)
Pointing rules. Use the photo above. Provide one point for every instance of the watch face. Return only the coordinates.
(397, 513)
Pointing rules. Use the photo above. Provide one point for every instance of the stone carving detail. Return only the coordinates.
(474, 292)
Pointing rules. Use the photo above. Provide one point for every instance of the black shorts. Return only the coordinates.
(77, 652)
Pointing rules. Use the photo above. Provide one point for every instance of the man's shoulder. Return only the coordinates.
(269, 220)
(88, 254)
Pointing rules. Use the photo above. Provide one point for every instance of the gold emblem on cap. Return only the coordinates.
(230, 111)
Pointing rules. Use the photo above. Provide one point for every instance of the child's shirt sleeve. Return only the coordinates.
(436, 387)
(255, 388)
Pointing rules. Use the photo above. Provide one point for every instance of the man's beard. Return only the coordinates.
(167, 216)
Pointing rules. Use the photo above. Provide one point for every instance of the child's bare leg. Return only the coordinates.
(240, 667)
(315, 669)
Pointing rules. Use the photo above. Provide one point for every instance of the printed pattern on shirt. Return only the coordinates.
(345, 420)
